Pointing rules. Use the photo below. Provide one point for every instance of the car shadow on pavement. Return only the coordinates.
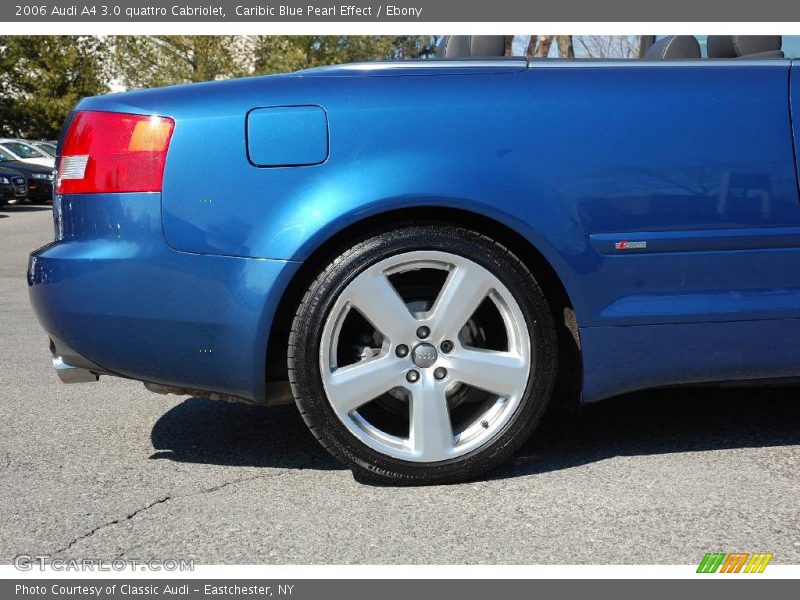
(661, 422)
(25, 208)
(645, 423)
(219, 433)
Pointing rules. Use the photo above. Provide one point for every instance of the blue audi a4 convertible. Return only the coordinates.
(426, 254)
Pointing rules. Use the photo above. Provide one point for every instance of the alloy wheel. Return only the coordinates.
(425, 356)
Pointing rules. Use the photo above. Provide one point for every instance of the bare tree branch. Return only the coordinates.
(543, 47)
(565, 47)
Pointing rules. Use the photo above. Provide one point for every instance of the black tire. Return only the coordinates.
(305, 343)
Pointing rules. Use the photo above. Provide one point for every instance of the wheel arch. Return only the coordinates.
(568, 387)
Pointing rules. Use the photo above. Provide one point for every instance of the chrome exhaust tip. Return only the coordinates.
(71, 374)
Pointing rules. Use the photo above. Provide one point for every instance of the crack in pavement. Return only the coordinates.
(109, 524)
(164, 500)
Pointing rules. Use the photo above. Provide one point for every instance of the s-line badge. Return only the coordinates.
(625, 245)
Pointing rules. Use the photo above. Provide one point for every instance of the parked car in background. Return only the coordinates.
(8, 192)
(25, 152)
(14, 185)
(429, 252)
(48, 147)
(38, 179)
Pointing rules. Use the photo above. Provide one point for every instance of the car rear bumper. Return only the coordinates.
(115, 298)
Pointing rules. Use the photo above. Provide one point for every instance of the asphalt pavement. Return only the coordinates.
(109, 469)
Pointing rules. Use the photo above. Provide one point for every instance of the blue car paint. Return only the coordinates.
(694, 159)
(794, 101)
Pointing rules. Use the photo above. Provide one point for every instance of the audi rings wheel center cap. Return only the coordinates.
(424, 355)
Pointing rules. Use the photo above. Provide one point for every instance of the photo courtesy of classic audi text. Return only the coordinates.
(392, 299)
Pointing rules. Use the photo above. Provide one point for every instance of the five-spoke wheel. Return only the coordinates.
(407, 354)
(424, 354)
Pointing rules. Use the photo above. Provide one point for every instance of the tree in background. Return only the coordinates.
(156, 60)
(150, 61)
(509, 51)
(541, 46)
(415, 46)
(609, 46)
(284, 53)
(585, 46)
(565, 47)
(43, 77)
(644, 42)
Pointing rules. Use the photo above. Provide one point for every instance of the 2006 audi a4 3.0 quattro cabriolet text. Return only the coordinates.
(428, 253)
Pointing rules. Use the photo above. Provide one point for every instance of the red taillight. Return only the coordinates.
(113, 152)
